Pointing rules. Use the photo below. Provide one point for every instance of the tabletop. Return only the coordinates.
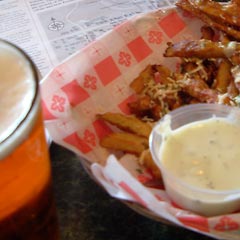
(86, 211)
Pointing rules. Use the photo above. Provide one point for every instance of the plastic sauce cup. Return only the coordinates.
(205, 200)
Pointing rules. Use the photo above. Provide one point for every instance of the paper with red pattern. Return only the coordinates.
(95, 80)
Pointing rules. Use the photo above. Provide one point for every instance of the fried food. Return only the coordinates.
(138, 84)
(146, 106)
(127, 123)
(129, 140)
(232, 89)
(208, 72)
(223, 76)
(147, 161)
(126, 142)
(224, 17)
(198, 89)
(158, 73)
(226, 14)
(207, 33)
(202, 49)
(159, 94)
(236, 75)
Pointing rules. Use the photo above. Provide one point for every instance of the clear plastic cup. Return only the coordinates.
(203, 201)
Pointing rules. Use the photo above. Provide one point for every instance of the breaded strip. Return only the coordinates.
(125, 142)
(127, 123)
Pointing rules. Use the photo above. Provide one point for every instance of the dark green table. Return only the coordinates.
(87, 212)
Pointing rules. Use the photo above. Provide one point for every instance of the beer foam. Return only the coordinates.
(17, 90)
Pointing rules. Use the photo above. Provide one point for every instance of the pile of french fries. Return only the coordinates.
(133, 138)
(209, 73)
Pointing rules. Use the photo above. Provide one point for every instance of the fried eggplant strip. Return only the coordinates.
(127, 123)
(202, 48)
(126, 142)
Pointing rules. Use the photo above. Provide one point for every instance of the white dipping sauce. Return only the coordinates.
(206, 154)
(203, 164)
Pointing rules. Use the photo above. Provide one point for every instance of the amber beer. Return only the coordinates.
(27, 209)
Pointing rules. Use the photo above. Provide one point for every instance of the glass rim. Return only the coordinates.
(35, 79)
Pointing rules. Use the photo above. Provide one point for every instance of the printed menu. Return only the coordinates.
(50, 31)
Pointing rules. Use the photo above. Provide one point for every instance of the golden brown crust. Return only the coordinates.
(126, 142)
(127, 123)
(223, 17)
(202, 48)
(227, 13)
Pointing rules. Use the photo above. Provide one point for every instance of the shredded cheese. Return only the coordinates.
(161, 92)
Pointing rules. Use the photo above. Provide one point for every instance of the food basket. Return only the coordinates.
(96, 80)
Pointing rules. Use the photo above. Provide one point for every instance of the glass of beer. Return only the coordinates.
(27, 209)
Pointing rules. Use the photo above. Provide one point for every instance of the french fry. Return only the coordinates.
(227, 14)
(207, 33)
(223, 76)
(144, 107)
(232, 89)
(159, 73)
(237, 2)
(162, 74)
(147, 161)
(127, 123)
(198, 89)
(221, 25)
(126, 142)
(145, 76)
(235, 58)
(201, 49)
(236, 73)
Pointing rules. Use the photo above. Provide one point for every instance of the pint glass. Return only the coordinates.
(27, 209)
